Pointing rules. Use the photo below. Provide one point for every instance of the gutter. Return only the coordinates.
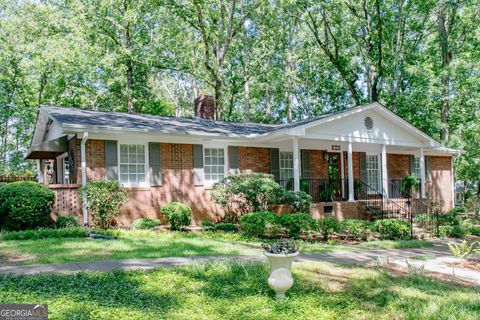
(83, 158)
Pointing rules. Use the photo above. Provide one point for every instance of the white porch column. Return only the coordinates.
(422, 173)
(83, 159)
(351, 194)
(296, 165)
(384, 170)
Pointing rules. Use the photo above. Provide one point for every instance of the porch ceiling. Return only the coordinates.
(49, 149)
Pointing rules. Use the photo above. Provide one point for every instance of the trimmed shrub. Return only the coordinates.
(145, 223)
(45, 234)
(392, 229)
(66, 222)
(296, 224)
(246, 192)
(104, 200)
(25, 205)
(300, 201)
(327, 226)
(177, 214)
(227, 227)
(208, 224)
(259, 223)
(357, 229)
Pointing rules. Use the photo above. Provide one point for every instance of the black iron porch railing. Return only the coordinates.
(321, 190)
(396, 191)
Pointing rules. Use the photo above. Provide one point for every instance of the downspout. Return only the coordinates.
(83, 159)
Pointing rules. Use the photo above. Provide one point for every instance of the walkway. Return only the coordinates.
(438, 257)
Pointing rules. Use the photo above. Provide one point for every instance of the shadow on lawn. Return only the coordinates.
(240, 290)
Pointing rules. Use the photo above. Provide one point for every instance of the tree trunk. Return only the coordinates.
(267, 104)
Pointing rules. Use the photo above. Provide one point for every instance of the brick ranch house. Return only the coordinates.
(162, 159)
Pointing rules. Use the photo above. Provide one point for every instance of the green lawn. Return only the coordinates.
(234, 290)
(148, 244)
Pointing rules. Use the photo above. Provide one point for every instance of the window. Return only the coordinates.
(286, 165)
(416, 167)
(132, 163)
(214, 164)
(373, 175)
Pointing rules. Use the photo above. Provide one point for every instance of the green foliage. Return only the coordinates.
(407, 184)
(282, 246)
(300, 201)
(259, 224)
(455, 231)
(145, 223)
(473, 231)
(328, 226)
(464, 249)
(177, 214)
(25, 205)
(208, 224)
(44, 233)
(66, 222)
(329, 191)
(227, 227)
(392, 229)
(422, 220)
(104, 200)
(246, 192)
(357, 229)
(296, 224)
(450, 219)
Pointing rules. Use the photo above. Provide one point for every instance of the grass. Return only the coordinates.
(149, 244)
(234, 290)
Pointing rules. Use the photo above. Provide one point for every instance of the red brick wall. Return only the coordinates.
(440, 187)
(319, 165)
(254, 159)
(398, 165)
(67, 201)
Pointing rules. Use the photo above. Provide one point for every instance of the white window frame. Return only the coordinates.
(283, 168)
(209, 183)
(146, 181)
(379, 182)
(417, 172)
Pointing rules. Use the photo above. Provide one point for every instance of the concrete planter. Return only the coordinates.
(280, 279)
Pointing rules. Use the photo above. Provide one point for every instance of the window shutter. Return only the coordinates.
(412, 164)
(155, 163)
(363, 167)
(428, 168)
(306, 166)
(233, 165)
(275, 163)
(198, 172)
(111, 160)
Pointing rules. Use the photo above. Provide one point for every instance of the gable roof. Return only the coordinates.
(73, 120)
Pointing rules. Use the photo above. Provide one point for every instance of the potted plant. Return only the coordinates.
(280, 256)
(407, 185)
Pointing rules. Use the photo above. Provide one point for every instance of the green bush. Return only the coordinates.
(145, 223)
(450, 219)
(474, 231)
(422, 220)
(104, 199)
(208, 224)
(392, 229)
(25, 205)
(455, 231)
(296, 224)
(246, 192)
(177, 214)
(458, 210)
(259, 224)
(357, 229)
(327, 226)
(66, 222)
(300, 201)
(227, 227)
(45, 234)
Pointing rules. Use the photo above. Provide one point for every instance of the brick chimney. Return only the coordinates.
(205, 107)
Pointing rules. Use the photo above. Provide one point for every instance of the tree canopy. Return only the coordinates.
(264, 61)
